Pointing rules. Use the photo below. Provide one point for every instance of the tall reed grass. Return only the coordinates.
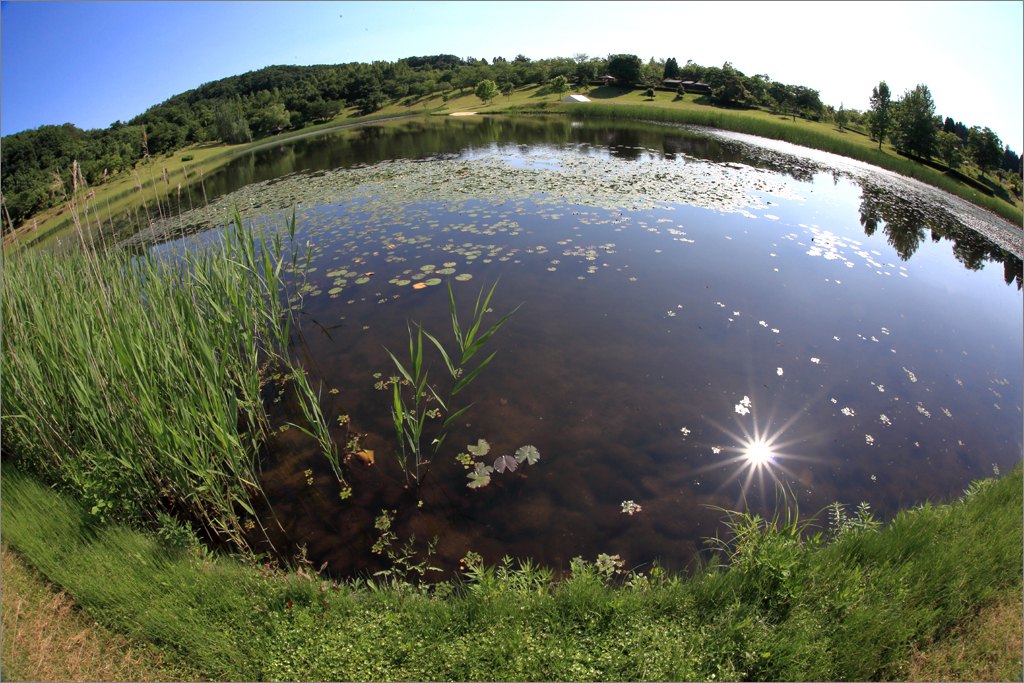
(136, 382)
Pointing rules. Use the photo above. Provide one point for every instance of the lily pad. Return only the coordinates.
(433, 281)
(362, 280)
(481, 448)
(528, 454)
(505, 463)
(480, 476)
(462, 277)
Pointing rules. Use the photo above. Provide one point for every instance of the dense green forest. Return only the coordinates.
(36, 164)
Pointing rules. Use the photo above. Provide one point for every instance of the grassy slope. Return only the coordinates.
(46, 637)
(120, 194)
(855, 609)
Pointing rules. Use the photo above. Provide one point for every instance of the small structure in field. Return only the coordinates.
(575, 98)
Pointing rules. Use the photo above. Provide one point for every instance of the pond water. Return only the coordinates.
(702, 319)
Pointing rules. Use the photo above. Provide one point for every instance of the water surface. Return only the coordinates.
(682, 295)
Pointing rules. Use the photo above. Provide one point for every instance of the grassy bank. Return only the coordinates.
(823, 136)
(154, 179)
(854, 605)
(147, 188)
(137, 383)
(46, 637)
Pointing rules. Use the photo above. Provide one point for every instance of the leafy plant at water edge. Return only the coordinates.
(404, 565)
(860, 521)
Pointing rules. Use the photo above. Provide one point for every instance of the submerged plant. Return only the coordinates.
(409, 411)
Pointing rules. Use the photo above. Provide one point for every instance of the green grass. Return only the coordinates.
(823, 136)
(155, 179)
(46, 637)
(136, 382)
(787, 607)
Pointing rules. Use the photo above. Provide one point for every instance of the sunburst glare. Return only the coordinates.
(760, 453)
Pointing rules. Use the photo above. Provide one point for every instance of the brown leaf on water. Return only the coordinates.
(366, 456)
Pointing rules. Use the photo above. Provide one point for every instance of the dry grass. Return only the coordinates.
(47, 638)
(987, 648)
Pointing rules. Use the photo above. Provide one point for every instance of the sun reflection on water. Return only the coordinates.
(760, 455)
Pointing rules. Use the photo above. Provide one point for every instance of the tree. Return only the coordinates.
(914, 128)
(727, 86)
(671, 68)
(625, 68)
(985, 148)
(270, 119)
(840, 117)
(230, 123)
(1011, 161)
(650, 73)
(881, 112)
(950, 148)
(559, 84)
(486, 90)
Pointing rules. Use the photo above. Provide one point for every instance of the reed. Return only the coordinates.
(410, 414)
(135, 382)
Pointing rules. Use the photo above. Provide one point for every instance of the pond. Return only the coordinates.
(702, 320)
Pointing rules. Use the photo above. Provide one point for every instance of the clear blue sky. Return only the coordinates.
(91, 63)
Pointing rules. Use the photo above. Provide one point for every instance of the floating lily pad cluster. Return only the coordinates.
(480, 475)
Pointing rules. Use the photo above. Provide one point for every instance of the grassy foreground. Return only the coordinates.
(47, 638)
(786, 607)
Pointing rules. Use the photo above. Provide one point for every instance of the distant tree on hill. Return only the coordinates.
(671, 68)
(625, 68)
(950, 149)
(840, 117)
(914, 128)
(270, 119)
(728, 86)
(230, 123)
(559, 85)
(1011, 161)
(880, 122)
(487, 90)
(985, 148)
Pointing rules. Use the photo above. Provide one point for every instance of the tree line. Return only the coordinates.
(36, 164)
(913, 128)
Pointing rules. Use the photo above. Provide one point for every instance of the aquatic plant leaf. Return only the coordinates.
(528, 454)
(505, 463)
(481, 448)
(480, 476)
